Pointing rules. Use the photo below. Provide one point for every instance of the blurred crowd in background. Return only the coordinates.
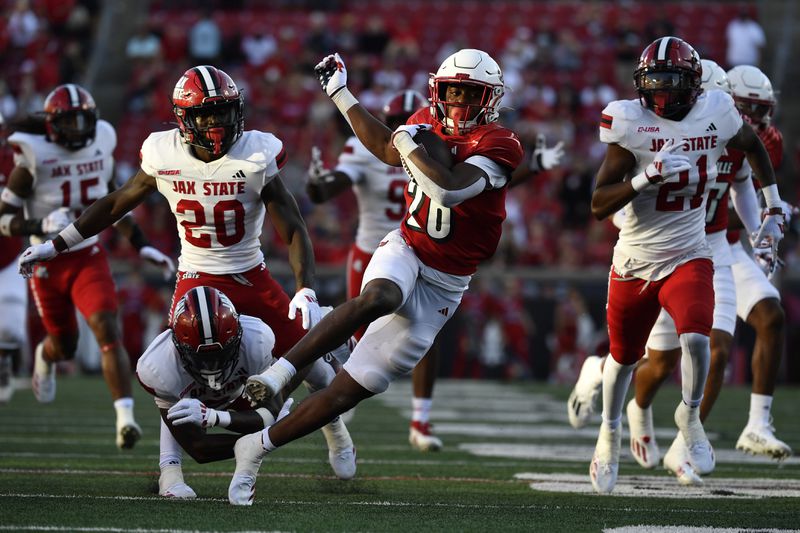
(562, 61)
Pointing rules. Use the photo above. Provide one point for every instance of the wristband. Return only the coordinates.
(5, 223)
(71, 236)
(772, 197)
(640, 182)
(223, 419)
(11, 198)
(344, 100)
(404, 144)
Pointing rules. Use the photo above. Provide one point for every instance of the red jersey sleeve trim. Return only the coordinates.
(281, 159)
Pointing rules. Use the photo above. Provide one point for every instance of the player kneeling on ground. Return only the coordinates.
(196, 370)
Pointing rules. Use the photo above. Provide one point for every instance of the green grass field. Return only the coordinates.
(60, 470)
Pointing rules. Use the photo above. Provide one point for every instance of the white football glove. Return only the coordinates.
(56, 221)
(35, 254)
(667, 164)
(332, 74)
(317, 173)
(287, 406)
(159, 259)
(770, 233)
(305, 301)
(767, 260)
(405, 134)
(545, 158)
(192, 411)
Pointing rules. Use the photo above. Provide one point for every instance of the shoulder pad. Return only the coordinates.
(106, 135)
(260, 150)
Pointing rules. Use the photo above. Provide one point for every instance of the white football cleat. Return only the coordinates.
(128, 434)
(261, 387)
(249, 452)
(605, 462)
(171, 484)
(341, 451)
(643, 438)
(582, 399)
(420, 438)
(761, 440)
(701, 454)
(43, 379)
(6, 379)
(676, 461)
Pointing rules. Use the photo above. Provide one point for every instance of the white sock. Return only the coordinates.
(170, 452)
(124, 409)
(760, 406)
(616, 379)
(266, 443)
(695, 359)
(421, 410)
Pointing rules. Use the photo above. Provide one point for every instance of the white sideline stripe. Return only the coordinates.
(668, 487)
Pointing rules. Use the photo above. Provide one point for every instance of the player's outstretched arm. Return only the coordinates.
(324, 184)
(107, 210)
(289, 223)
(372, 133)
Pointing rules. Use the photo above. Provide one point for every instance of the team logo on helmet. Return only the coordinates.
(207, 334)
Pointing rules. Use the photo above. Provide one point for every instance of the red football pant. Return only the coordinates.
(253, 293)
(357, 261)
(79, 279)
(633, 306)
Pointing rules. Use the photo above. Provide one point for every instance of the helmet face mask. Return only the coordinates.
(209, 109)
(207, 335)
(70, 116)
(668, 77)
(466, 91)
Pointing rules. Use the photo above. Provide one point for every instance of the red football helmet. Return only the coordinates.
(209, 108)
(207, 334)
(668, 77)
(401, 106)
(70, 116)
(477, 71)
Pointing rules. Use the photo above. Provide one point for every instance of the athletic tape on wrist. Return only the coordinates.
(771, 196)
(11, 198)
(640, 182)
(71, 236)
(5, 223)
(344, 100)
(223, 419)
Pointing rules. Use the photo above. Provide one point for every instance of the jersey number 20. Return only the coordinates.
(219, 212)
(438, 226)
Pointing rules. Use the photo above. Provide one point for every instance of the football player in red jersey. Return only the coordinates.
(379, 190)
(661, 161)
(419, 272)
(220, 182)
(757, 300)
(60, 172)
(13, 293)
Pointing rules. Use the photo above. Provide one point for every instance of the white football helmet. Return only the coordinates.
(714, 77)
(753, 94)
(469, 67)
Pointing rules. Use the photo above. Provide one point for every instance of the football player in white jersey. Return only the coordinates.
(378, 188)
(663, 345)
(59, 172)
(196, 372)
(13, 293)
(660, 163)
(220, 182)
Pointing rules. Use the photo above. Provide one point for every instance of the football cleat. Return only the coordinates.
(676, 461)
(421, 438)
(701, 454)
(605, 462)
(761, 440)
(643, 439)
(249, 452)
(262, 387)
(6, 379)
(582, 400)
(171, 484)
(128, 434)
(43, 379)
(341, 452)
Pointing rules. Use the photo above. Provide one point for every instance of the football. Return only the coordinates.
(435, 146)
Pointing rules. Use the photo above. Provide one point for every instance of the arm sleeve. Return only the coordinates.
(743, 196)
